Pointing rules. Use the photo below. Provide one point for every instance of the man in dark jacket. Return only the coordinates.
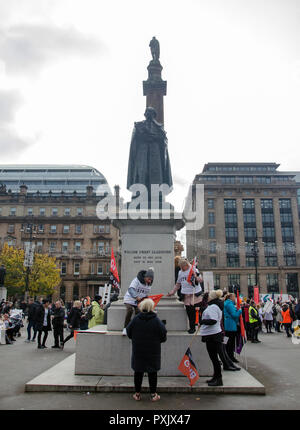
(43, 322)
(31, 320)
(58, 317)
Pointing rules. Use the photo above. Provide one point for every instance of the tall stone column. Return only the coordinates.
(155, 89)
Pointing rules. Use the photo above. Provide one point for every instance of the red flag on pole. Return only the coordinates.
(156, 298)
(238, 305)
(188, 367)
(113, 266)
(256, 295)
(191, 272)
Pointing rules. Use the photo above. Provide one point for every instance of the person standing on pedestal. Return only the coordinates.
(138, 290)
(191, 293)
(58, 318)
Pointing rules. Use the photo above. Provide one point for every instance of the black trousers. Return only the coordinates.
(58, 333)
(214, 349)
(40, 332)
(230, 345)
(226, 360)
(254, 327)
(288, 327)
(138, 380)
(70, 335)
(191, 313)
(269, 325)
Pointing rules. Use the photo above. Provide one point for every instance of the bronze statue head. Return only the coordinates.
(150, 113)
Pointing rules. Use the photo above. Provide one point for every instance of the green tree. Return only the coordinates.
(44, 274)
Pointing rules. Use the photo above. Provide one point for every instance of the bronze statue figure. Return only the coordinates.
(149, 159)
(154, 47)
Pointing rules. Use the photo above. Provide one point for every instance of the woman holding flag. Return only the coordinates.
(187, 279)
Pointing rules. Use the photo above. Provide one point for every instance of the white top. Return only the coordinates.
(269, 316)
(186, 287)
(45, 317)
(140, 289)
(212, 312)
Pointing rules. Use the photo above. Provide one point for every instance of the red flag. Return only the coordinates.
(256, 295)
(191, 272)
(113, 266)
(188, 367)
(238, 305)
(155, 298)
(281, 295)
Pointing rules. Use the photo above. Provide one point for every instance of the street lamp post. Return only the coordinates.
(28, 228)
(255, 251)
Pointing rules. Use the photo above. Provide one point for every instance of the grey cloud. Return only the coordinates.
(25, 48)
(11, 144)
(179, 181)
(10, 100)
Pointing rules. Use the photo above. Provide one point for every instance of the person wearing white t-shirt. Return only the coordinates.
(191, 291)
(211, 332)
(138, 290)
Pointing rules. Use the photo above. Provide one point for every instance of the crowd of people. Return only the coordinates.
(41, 317)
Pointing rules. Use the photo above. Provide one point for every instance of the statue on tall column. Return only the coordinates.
(149, 158)
(154, 47)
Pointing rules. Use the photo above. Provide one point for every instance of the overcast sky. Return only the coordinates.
(71, 75)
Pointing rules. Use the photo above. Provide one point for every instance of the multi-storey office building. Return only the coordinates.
(251, 227)
(60, 202)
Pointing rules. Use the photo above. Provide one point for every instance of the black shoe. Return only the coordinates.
(229, 368)
(191, 330)
(216, 382)
(234, 360)
(236, 368)
(40, 347)
(55, 346)
(211, 380)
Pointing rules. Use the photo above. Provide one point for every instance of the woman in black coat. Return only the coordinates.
(147, 333)
(74, 320)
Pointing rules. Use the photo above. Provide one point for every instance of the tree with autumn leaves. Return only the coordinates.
(43, 277)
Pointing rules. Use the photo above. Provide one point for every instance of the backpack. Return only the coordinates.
(89, 313)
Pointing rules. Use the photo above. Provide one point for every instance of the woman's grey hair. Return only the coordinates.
(146, 305)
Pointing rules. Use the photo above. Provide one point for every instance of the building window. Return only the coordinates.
(271, 261)
(29, 211)
(11, 228)
(212, 247)
(54, 211)
(290, 260)
(250, 261)
(76, 268)
(65, 247)
(233, 261)
(77, 246)
(211, 203)
(107, 228)
(67, 211)
(229, 204)
(216, 281)
(287, 233)
(231, 232)
(213, 262)
(63, 268)
(211, 218)
(99, 269)
(79, 211)
(267, 218)
(53, 229)
(291, 282)
(52, 246)
(12, 212)
(39, 247)
(249, 218)
(78, 228)
(251, 280)
(212, 232)
(285, 203)
(42, 211)
(41, 228)
(266, 204)
(230, 218)
(268, 233)
(66, 229)
(250, 234)
(92, 268)
(228, 179)
(248, 204)
(263, 179)
(101, 248)
(234, 280)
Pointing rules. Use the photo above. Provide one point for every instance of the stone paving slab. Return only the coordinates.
(61, 378)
